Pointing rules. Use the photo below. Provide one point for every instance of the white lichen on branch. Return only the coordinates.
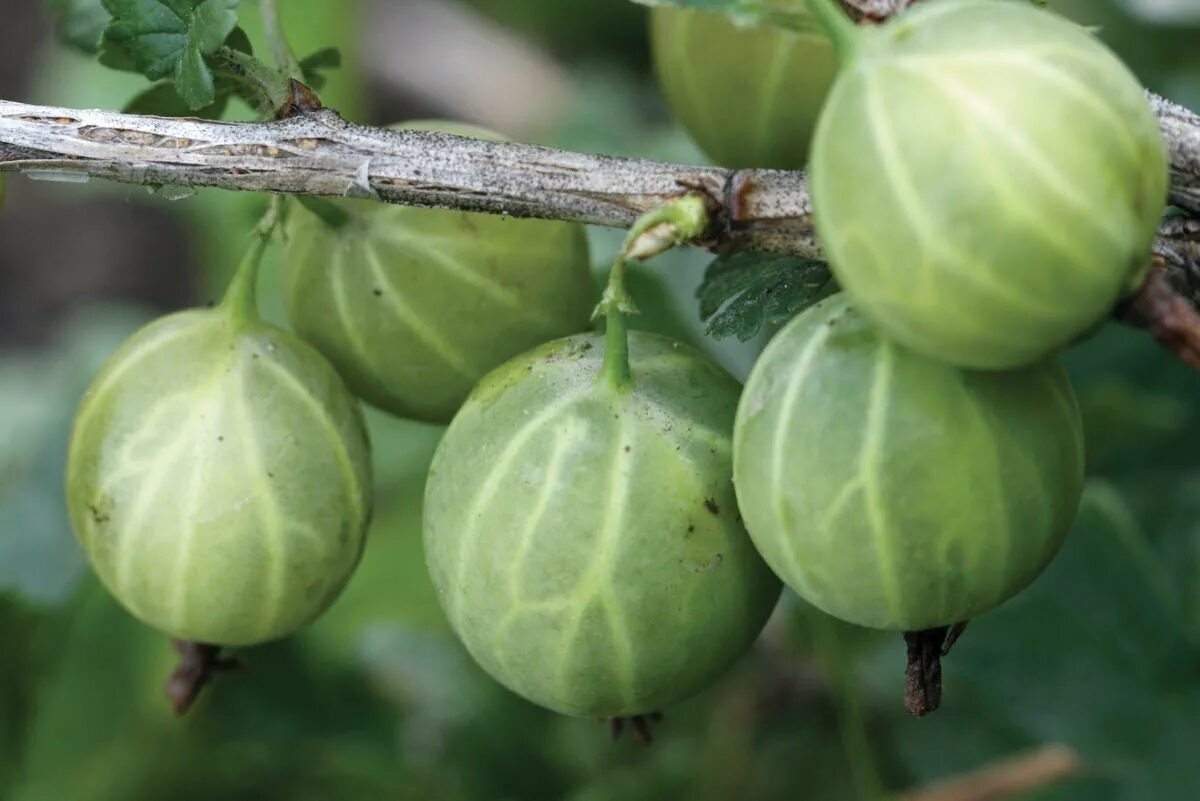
(320, 154)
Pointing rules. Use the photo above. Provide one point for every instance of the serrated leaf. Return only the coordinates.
(194, 80)
(211, 25)
(170, 38)
(742, 292)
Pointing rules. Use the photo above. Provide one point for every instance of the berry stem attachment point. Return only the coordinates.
(615, 305)
(657, 231)
(924, 672)
(198, 663)
(846, 35)
(241, 298)
(639, 726)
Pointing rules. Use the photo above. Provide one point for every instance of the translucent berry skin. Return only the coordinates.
(896, 492)
(414, 306)
(749, 96)
(219, 479)
(987, 179)
(584, 541)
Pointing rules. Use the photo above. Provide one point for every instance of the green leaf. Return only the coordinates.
(80, 23)
(240, 41)
(743, 291)
(18, 679)
(163, 100)
(1097, 655)
(170, 38)
(312, 66)
(115, 56)
(211, 25)
(194, 80)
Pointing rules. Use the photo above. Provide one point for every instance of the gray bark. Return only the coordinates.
(320, 154)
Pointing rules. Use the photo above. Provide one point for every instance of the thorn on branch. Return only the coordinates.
(300, 100)
(1166, 314)
(198, 663)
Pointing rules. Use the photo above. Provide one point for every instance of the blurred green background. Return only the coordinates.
(377, 700)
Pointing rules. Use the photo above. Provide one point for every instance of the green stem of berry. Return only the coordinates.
(616, 304)
(658, 230)
(840, 28)
(241, 298)
(285, 58)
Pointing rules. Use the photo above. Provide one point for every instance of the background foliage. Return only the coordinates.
(377, 700)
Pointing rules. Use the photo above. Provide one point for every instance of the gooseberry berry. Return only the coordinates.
(894, 491)
(414, 306)
(987, 178)
(219, 478)
(748, 95)
(583, 537)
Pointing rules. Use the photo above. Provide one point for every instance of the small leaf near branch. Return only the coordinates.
(162, 100)
(314, 66)
(80, 23)
(741, 292)
(170, 38)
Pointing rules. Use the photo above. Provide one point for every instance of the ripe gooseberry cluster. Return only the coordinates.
(986, 179)
(219, 473)
(906, 455)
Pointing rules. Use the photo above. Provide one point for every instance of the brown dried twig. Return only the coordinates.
(1006, 779)
(198, 663)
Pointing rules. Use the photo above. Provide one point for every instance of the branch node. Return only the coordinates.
(1166, 315)
(301, 100)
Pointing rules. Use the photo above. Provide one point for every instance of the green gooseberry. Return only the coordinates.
(583, 537)
(987, 179)
(749, 95)
(897, 492)
(219, 478)
(414, 306)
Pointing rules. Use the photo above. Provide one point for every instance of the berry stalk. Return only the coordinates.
(241, 297)
(657, 231)
(840, 28)
(615, 305)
